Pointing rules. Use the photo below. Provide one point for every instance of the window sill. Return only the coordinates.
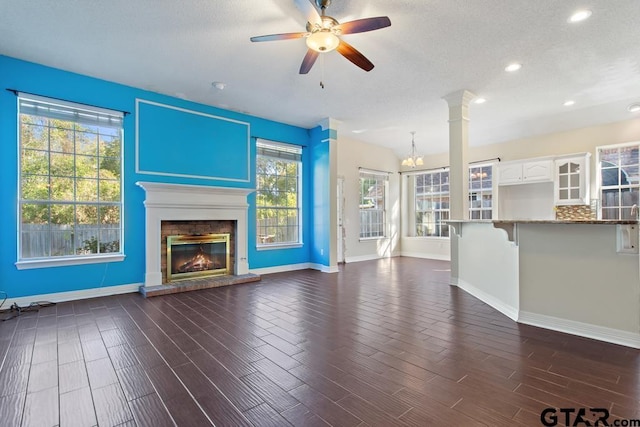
(276, 246)
(372, 239)
(426, 237)
(62, 262)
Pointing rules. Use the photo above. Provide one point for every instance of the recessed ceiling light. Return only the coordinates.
(569, 103)
(580, 15)
(359, 130)
(634, 108)
(479, 101)
(219, 85)
(513, 67)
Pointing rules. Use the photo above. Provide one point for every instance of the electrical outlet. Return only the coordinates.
(321, 252)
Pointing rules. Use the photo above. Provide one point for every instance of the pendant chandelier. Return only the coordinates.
(413, 160)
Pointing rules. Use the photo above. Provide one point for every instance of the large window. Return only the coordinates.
(278, 195)
(372, 204)
(70, 180)
(480, 191)
(432, 203)
(619, 180)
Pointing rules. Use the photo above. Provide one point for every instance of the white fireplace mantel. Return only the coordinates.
(177, 202)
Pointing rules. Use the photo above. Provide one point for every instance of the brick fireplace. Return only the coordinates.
(194, 209)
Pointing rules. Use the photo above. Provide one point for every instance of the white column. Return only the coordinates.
(458, 148)
(458, 166)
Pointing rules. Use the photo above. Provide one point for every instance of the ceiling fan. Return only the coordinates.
(323, 34)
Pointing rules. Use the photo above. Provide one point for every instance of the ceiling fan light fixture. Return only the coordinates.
(322, 41)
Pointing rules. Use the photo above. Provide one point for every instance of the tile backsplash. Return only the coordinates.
(575, 212)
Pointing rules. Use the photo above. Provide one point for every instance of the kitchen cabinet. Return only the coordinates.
(527, 172)
(571, 183)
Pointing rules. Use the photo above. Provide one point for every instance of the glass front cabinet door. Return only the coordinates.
(572, 180)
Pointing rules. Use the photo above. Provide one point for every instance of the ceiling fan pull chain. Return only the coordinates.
(322, 72)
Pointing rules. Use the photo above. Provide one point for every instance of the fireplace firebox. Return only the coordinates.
(191, 256)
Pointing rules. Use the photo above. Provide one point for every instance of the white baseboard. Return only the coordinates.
(281, 268)
(615, 336)
(73, 295)
(360, 258)
(501, 306)
(294, 267)
(324, 268)
(439, 257)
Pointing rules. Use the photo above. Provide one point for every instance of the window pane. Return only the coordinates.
(109, 168)
(87, 166)
(62, 164)
(109, 215)
(34, 187)
(87, 215)
(109, 143)
(62, 189)
(87, 143)
(629, 156)
(34, 136)
(87, 190)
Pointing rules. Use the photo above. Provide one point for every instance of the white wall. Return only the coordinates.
(489, 267)
(352, 155)
(573, 272)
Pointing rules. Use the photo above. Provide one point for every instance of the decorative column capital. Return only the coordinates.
(460, 98)
(459, 105)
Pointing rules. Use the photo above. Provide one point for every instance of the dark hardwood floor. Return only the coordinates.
(381, 343)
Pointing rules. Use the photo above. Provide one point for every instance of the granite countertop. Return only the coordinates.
(544, 221)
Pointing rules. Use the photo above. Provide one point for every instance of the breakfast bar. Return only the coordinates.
(581, 277)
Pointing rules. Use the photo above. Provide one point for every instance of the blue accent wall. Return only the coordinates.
(191, 143)
(221, 134)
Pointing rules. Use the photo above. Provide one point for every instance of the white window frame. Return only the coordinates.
(382, 182)
(624, 210)
(73, 113)
(279, 151)
(440, 212)
(483, 191)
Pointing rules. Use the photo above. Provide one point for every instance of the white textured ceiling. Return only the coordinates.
(433, 48)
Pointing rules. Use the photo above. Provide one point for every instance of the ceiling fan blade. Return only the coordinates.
(272, 37)
(354, 56)
(363, 25)
(308, 61)
(309, 10)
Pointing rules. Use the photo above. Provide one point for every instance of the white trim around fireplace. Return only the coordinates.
(177, 202)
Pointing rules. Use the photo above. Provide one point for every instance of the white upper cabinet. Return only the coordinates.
(509, 173)
(526, 172)
(571, 183)
(538, 171)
